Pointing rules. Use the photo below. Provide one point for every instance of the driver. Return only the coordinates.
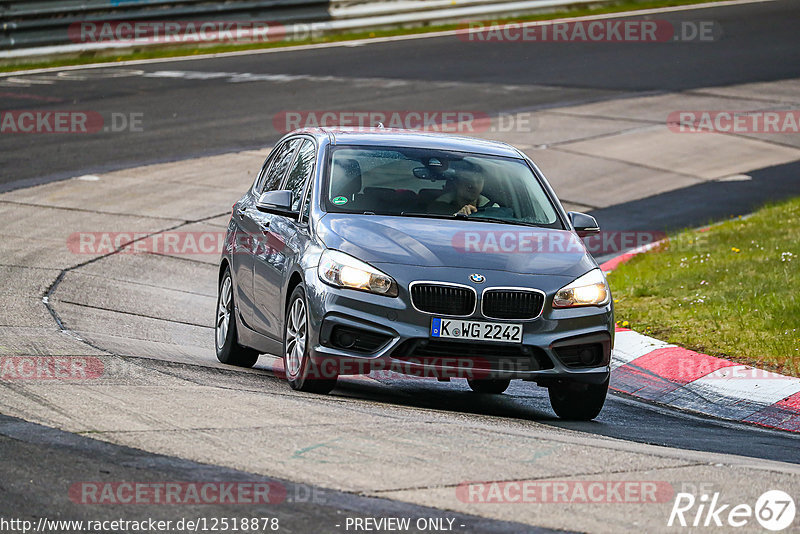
(465, 197)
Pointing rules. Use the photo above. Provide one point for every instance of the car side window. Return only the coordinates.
(271, 179)
(307, 205)
(301, 172)
(259, 183)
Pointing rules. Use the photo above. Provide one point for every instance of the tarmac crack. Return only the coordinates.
(576, 114)
(656, 123)
(568, 201)
(711, 93)
(133, 314)
(84, 210)
(138, 283)
(631, 163)
(551, 477)
(598, 136)
(200, 429)
(54, 286)
(180, 258)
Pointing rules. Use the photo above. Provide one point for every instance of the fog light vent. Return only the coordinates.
(356, 339)
(589, 355)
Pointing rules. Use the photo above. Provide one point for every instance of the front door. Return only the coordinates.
(282, 244)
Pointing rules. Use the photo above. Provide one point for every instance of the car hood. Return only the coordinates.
(456, 243)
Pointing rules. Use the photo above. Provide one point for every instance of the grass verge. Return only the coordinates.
(156, 51)
(732, 291)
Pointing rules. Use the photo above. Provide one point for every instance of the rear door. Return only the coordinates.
(287, 233)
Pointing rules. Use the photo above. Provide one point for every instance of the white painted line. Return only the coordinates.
(629, 345)
(745, 382)
(736, 178)
(629, 254)
(375, 40)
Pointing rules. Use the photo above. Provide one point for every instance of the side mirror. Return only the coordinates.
(584, 224)
(275, 201)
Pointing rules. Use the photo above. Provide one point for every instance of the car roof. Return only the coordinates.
(390, 137)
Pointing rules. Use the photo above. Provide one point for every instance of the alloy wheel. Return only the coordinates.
(224, 312)
(295, 337)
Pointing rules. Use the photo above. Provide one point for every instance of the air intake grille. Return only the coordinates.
(443, 300)
(512, 304)
(495, 357)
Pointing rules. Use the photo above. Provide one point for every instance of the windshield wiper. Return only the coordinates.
(427, 215)
(502, 221)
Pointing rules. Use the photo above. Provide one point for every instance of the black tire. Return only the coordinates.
(578, 402)
(229, 351)
(489, 386)
(302, 372)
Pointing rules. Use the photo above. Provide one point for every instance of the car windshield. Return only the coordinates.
(438, 184)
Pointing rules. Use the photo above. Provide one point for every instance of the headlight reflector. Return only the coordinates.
(342, 270)
(591, 289)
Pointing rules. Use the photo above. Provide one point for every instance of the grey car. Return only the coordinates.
(416, 254)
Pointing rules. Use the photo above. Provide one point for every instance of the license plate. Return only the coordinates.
(476, 330)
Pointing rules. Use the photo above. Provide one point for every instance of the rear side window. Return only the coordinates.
(271, 178)
(301, 172)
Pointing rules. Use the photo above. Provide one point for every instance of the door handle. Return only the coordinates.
(241, 212)
(264, 225)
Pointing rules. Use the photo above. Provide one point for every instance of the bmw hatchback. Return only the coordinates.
(421, 254)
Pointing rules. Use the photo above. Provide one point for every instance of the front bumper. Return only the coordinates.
(397, 336)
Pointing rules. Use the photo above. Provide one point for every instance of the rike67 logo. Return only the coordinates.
(774, 510)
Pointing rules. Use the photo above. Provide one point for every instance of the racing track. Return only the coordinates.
(188, 115)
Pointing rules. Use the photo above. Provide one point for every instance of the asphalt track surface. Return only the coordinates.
(186, 118)
(41, 489)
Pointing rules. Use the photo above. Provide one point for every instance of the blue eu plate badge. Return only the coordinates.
(436, 327)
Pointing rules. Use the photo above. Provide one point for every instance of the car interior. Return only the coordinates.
(388, 184)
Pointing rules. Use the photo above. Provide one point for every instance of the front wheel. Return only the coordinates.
(228, 349)
(302, 372)
(578, 402)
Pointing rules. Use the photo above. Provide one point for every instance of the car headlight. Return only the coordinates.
(342, 270)
(591, 289)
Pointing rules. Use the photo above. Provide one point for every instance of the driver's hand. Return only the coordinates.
(468, 209)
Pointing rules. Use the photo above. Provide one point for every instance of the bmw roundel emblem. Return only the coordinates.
(477, 278)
